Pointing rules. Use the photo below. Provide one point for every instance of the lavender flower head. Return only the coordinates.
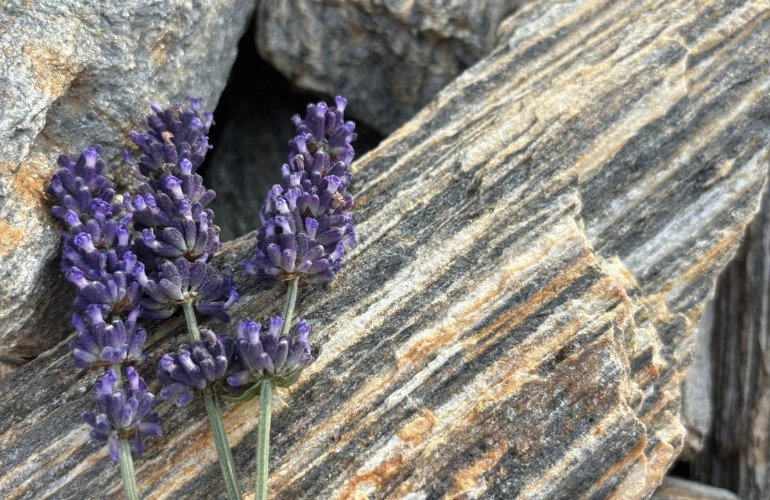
(174, 134)
(96, 254)
(306, 220)
(182, 281)
(124, 413)
(99, 344)
(169, 209)
(194, 366)
(170, 218)
(174, 234)
(279, 358)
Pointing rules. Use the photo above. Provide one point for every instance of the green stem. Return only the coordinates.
(192, 323)
(214, 413)
(126, 461)
(263, 439)
(265, 404)
(127, 471)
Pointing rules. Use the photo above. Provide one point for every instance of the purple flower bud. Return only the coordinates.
(174, 135)
(194, 366)
(261, 355)
(191, 230)
(125, 412)
(212, 292)
(99, 344)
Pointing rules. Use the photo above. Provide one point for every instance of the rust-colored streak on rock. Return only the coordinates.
(53, 70)
(30, 179)
(159, 53)
(195, 442)
(347, 417)
(503, 324)
(425, 347)
(634, 456)
(418, 428)
(715, 254)
(660, 459)
(9, 237)
(513, 317)
(371, 479)
(471, 479)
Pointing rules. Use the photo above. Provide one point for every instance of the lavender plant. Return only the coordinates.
(306, 219)
(145, 255)
(97, 260)
(175, 236)
(306, 228)
(140, 256)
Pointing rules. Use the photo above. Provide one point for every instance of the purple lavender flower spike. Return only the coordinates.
(77, 183)
(325, 129)
(169, 211)
(263, 355)
(124, 412)
(93, 215)
(174, 134)
(211, 291)
(194, 366)
(99, 344)
(306, 220)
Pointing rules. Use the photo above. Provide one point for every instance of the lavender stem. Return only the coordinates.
(214, 413)
(263, 439)
(127, 471)
(265, 404)
(192, 323)
(288, 310)
(126, 460)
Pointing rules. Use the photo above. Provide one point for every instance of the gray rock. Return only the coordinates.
(76, 73)
(698, 387)
(736, 451)
(674, 488)
(388, 58)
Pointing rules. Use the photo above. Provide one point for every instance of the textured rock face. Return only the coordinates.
(535, 250)
(736, 451)
(388, 58)
(76, 73)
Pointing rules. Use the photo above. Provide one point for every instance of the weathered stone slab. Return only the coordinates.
(76, 73)
(736, 449)
(535, 249)
(674, 488)
(388, 58)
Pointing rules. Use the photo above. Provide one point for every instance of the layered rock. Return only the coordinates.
(736, 448)
(535, 250)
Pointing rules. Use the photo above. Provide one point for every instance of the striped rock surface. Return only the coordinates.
(736, 451)
(535, 249)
